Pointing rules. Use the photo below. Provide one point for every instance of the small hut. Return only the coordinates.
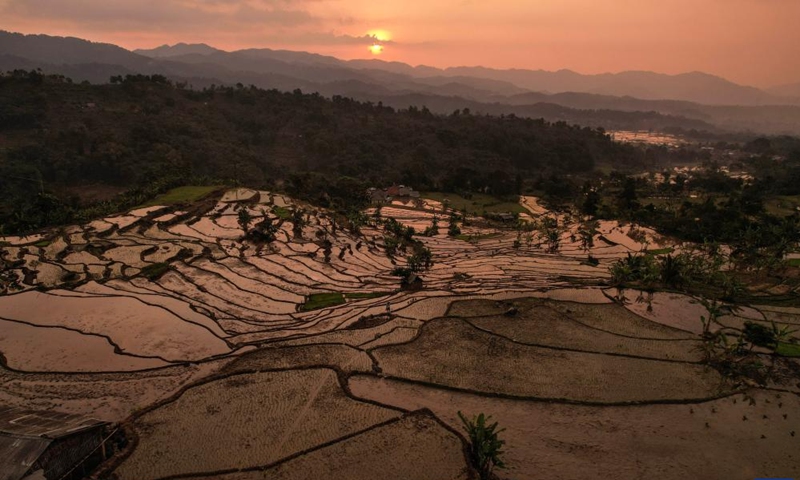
(49, 445)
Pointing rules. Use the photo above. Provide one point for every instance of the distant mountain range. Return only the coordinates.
(790, 90)
(166, 51)
(622, 100)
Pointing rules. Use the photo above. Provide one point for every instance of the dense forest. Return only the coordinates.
(72, 152)
(144, 134)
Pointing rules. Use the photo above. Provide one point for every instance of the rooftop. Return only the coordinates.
(29, 423)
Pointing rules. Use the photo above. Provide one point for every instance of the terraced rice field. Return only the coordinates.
(452, 353)
(110, 397)
(415, 446)
(247, 421)
(341, 357)
(544, 326)
(708, 440)
(237, 360)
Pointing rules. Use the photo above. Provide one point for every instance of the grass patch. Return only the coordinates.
(361, 296)
(316, 301)
(782, 205)
(42, 243)
(478, 204)
(282, 212)
(182, 195)
(475, 238)
(660, 251)
(606, 168)
(794, 262)
(155, 271)
(788, 350)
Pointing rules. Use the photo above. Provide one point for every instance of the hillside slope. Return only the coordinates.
(149, 133)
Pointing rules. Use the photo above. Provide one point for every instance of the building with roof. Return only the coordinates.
(38, 445)
(381, 196)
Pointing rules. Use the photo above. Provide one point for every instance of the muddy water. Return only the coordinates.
(137, 328)
(674, 310)
(36, 349)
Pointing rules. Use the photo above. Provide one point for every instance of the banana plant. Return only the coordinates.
(485, 445)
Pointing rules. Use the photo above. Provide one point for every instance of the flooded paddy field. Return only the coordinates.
(223, 358)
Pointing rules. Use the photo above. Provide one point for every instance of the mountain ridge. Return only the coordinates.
(375, 80)
(166, 51)
(694, 86)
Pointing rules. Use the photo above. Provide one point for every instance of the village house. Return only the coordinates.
(380, 196)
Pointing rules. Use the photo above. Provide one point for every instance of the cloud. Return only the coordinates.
(334, 39)
(162, 14)
(223, 23)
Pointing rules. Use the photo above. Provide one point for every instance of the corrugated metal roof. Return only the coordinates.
(30, 423)
(18, 454)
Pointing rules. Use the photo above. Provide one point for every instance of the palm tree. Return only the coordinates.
(672, 271)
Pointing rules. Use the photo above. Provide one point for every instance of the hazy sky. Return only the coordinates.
(748, 41)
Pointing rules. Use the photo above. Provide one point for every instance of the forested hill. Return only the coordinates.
(145, 133)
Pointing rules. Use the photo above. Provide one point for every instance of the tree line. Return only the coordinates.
(138, 131)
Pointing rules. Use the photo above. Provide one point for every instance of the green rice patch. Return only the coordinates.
(282, 213)
(660, 251)
(325, 300)
(316, 301)
(187, 194)
(788, 350)
(477, 204)
(361, 296)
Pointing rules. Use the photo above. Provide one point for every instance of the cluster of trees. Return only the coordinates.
(731, 350)
(142, 129)
(699, 269)
(399, 239)
(709, 272)
(719, 209)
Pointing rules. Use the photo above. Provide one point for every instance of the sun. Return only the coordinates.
(380, 35)
(376, 48)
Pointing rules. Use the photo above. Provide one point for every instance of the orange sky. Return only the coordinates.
(753, 42)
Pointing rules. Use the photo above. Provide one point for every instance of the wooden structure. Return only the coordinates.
(49, 445)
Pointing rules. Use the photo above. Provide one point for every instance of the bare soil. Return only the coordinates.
(415, 447)
(110, 397)
(246, 421)
(451, 352)
(723, 439)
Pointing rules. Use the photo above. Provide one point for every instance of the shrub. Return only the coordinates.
(485, 447)
(759, 335)
(155, 271)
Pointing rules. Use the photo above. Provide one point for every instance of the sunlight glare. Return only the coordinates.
(380, 35)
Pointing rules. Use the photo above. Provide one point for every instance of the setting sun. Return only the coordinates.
(376, 49)
(380, 35)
